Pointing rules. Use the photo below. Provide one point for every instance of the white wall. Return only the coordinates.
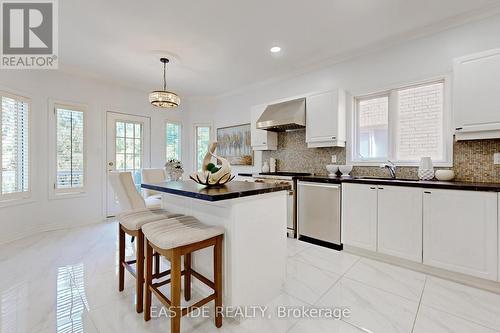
(414, 60)
(410, 61)
(41, 213)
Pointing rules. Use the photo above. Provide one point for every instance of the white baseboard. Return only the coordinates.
(14, 236)
(438, 272)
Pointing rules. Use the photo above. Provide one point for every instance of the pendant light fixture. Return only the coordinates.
(164, 98)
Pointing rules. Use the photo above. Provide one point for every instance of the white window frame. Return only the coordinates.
(55, 193)
(391, 92)
(19, 197)
(167, 121)
(195, 141)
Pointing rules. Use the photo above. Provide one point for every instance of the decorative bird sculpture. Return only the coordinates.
(211, 175)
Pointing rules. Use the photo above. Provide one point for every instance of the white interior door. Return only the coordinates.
(128, 146)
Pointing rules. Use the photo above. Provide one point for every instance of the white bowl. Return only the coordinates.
(332, 169)
(345, 170)
(444, 175)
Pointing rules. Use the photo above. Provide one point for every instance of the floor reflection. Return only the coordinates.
(70, 302)
(12, 304)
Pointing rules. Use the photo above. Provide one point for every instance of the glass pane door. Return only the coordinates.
(128, 148)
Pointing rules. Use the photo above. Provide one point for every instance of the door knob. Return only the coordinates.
(110, 163)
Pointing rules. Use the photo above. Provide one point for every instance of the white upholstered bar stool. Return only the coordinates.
(180, 237)
(133, 217)
(152, 176)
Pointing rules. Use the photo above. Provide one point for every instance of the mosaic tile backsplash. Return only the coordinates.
(472, 160)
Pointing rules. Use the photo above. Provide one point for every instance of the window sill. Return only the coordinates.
(66, 195)
(15, 202)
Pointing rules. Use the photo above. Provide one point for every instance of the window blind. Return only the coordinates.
(202, 142)
(70, 149)
(14, 144)
(173, 141)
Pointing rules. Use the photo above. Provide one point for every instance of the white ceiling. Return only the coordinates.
(223, 45)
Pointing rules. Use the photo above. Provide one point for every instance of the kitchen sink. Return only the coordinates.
(388, 179)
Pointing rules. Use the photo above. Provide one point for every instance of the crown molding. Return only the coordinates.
(452, 22)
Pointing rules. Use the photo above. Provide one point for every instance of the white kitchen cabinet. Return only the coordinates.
(326, 119)
(400, 222)
(460, 232)
(475, 96)
(260, 139)
(359, 216)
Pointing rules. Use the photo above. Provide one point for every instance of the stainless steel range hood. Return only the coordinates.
(286, 116)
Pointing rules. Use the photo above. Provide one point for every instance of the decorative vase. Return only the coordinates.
(173, 170)
(265, 167)
(174, 176)
(426, 169)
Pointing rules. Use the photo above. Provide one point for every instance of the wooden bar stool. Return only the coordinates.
(134, 217)
(174, 240)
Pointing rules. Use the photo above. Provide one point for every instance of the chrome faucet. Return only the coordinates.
(392, 168)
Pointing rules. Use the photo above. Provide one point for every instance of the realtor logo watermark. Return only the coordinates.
(29, 34)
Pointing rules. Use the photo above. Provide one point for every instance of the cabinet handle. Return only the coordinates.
(380, 188)
(427, 192)
(373, 188)
(334, 137)
(459, 128)
(263, 143)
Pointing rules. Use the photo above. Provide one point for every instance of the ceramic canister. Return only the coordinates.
(426, 169)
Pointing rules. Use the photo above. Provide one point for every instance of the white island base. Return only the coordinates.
(254, 243)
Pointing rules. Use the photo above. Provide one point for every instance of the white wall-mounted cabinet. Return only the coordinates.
(476, 106)
(400, 222)
(359, 216)
(261, 140)
(460, 232)
(326, 119)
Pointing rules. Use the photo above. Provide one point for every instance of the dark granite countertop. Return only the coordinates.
(488, 187)
(232, 190)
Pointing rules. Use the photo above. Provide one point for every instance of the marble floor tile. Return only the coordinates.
(337, 262)
(48, 302)
(295, 246)
(307, 282)
(67, 282)
(371, 309)
(469, 303)
(435, 321)
(271, 322)
(394, 279)
(324, 326)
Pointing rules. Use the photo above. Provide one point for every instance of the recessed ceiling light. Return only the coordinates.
(275, 49)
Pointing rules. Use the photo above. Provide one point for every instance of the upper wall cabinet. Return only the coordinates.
(326, 120)
(262, 140)
(476, 106)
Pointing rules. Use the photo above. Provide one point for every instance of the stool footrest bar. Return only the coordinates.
(198, 304)
(203, 279)
(164, 282)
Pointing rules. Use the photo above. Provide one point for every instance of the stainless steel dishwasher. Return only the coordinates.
(318, 213)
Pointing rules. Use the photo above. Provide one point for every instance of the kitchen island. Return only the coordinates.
(254, 217)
